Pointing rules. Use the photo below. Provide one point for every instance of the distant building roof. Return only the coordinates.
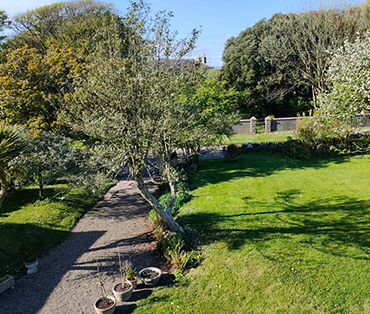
(201, 59)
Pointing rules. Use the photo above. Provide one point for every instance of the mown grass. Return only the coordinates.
(278, 236)
(259, 138)
(29, 228)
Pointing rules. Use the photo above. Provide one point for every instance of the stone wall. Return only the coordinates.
(280, 124)
(246, 126)
(365, 121)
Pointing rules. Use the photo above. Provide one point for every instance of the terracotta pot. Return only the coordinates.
(133, 282)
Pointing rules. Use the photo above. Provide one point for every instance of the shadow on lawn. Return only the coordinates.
(331, 225)
(18, 198)
(253, 165)
(32, 292)
(21, 241)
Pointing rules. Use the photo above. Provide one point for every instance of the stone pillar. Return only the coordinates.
(268, 124)
(253, 126)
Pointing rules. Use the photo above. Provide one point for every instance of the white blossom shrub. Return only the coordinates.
(349, 79)
(347, 98)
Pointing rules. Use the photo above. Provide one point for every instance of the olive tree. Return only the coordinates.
(128, 101)
(48, 157)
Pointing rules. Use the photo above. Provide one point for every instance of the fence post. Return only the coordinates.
(253, 125)
(268, 124)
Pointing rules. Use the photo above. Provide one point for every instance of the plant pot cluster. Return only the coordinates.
(106, 305)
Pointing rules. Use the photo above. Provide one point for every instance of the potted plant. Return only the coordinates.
(123, 290)
(105, 304)
(131, 275)
(150, 275)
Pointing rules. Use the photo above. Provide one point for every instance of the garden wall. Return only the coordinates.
(279, 124)
(246, 126)
(365, 121)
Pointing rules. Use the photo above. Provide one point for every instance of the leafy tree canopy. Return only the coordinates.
(280, 63)
(32, 84)
(73, 24)
(51, 48)
(135, 104)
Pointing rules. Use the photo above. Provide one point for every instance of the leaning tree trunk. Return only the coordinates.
(165, 214)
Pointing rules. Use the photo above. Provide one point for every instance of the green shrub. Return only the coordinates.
(155, 219)
(173, 250)
(307, 131)
(183, 197)
(159, 236)
(230, 153)
(152, 215)
(297, 149)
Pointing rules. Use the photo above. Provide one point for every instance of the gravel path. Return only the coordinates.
(66, 279)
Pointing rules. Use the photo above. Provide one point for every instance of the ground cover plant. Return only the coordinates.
(29, 227)
(279, 235)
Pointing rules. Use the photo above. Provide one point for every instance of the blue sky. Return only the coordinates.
(219, 19)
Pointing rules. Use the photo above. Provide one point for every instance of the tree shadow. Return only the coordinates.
(18, 198)
(71, 267)
(331, 225)
(21, 241)
(122, 202)
(253, 165)
(32, 292)
(126, 308)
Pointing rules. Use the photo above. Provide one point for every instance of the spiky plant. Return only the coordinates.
(11, 144)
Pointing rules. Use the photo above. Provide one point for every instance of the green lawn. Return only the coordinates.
(259, 138)
(29, 227)
(278, 236)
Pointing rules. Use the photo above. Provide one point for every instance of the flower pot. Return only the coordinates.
(6, 282)
(31, 267)
(150, 276)
(133, 281)
(124, 294)
(103, 307)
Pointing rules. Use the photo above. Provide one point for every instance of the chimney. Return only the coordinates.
(201, 59)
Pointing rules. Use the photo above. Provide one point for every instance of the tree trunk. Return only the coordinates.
(192, 155)
(314, 97)
(171, 203)
(3, 191)
(167, 217)
(41, 186)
